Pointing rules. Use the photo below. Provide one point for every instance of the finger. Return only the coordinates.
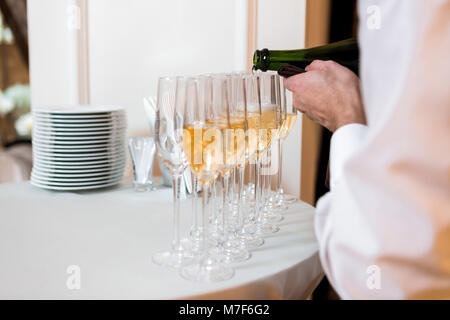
(297, 103)
(294, 82)
(317, 65)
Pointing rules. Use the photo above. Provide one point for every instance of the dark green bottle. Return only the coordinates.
(344, 52)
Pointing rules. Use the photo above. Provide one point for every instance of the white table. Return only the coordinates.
(111, 234)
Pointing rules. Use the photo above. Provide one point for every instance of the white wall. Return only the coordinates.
(50, 72)
(133, 42)
(281, 25)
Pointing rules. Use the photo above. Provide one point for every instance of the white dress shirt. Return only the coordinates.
(384, 228)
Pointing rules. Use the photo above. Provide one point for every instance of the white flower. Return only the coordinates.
(6, 104)
(24, 124)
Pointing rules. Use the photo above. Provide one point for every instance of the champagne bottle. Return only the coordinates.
(344, 52)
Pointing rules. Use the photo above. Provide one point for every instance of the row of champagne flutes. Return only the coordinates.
(219, 124)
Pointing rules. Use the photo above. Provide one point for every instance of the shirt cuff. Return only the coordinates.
(344, 143)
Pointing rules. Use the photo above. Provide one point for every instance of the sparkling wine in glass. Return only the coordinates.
(202, 142)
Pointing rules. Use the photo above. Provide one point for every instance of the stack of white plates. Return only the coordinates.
(79, 147)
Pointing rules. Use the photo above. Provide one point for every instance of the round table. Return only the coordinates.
(98, 245)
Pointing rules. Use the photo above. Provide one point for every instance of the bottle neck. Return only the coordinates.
(261, 59)
(344, 52)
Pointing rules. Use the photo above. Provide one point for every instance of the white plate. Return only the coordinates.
(94, 121)
(77, 148)
(70, 170)
(85, 109)
(80, 134)
(72, 180)
(39, 172)
(80, 122)
(79, 117)
(56, 188)
(73, 151)
(79, 139)
(77, 127)
(76, 134)
(96, 165)
(74, 184)
(98, 117)
(85, 167)
(70, 156)
(81, 143)
(78, 161)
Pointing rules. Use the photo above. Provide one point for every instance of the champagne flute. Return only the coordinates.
(281, 199)
(219, 117)
(289, 123)
(170, 150)
(244, 103)
(274, 203)
(202, 142)
(267, 122)
(233, 134)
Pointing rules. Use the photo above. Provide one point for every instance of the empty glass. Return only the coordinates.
(142, 150)
(169, 141)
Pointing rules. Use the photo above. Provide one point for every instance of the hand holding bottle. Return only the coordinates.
(328, 93)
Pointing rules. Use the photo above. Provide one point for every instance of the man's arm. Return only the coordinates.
(384, 229)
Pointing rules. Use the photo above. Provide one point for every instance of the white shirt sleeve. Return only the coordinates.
(344, 143)
(384, 228)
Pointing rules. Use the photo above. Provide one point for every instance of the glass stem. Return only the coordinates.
(176, 181)
(194, 205)
(280, 165)
(226, 182)
(251, 174)
(267, 175)
(257, 190)
(205, 216)
(231, 193)
(241, 199)
(214, 203)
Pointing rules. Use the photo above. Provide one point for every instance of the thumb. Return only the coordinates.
(293, 83)
(289, 83)
(316, 65)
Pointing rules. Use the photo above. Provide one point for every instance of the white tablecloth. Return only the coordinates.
(111, 234)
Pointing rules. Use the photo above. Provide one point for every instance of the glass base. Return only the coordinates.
(172, 259)
(235, 255)
(252, 242)
(196, 233)
(274, 217)
(143, 187)
(207, 272)
(194, 245)
(288, 199)
(266, 228)
(278, 206)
